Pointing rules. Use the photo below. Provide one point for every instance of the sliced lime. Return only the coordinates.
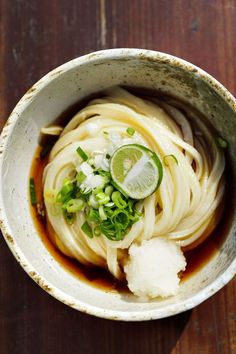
(136, 171)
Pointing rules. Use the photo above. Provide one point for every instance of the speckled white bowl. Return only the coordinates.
(41, 105)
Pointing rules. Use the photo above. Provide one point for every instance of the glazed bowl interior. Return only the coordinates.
(41, 106)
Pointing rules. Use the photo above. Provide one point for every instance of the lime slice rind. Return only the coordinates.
(145, 174)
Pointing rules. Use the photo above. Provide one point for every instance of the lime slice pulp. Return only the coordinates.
(136, 170)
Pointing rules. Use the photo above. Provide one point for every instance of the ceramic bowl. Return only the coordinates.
(43, 103)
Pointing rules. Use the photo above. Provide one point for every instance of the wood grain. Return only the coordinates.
(36, 36)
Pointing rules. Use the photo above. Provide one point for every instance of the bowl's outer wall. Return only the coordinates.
(40, 106)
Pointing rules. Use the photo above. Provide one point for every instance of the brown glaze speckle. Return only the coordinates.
(57, 72)
(92, 56)
(31, 90)
(9, 238)
(40, 281)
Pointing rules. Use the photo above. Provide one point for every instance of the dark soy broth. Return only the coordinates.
(101, 278)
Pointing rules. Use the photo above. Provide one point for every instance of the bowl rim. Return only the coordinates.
(141, 315)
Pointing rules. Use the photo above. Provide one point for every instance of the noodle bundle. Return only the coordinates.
(182, 209)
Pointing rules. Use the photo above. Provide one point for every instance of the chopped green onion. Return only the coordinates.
(91, 162)
(130, 131)
(169, 156)
(108, 156)
(67, 188)
(66, 191)
(102, 198)
(118, 200)
(97, 231)
(69, 217)
(86, 228)
(102, 213)
(93, 201)
(80, 177)
(32, 191)
(121, 218)
(109, 211)
(104, 173)
(83, 197)
(139, 213)
(97, 190)
(130, 205)
(85, 192)
(110, 204)
(104, 180)
(109, 190)
(74, 205)
(105, 133)
(222, 143)
(82, 154)
(135, 217)
(111, 231)
(93, 215)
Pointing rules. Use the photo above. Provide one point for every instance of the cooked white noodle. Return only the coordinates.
(186, 201)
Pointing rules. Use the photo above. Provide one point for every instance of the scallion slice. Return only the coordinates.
(102, 213)
(66, 192)
(74, 205)
(118, 200)
(97, 231)
(80, 177)
(69, 217)
(93, 201)
(82, 154)
(93, 215)
(86, 228)
(32, 191)
(108, 190)
(111, 231)
(102, 198)
(121, 218)
(130, 131)
(104, 173)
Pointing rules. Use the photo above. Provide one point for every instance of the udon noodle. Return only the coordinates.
(183, 207)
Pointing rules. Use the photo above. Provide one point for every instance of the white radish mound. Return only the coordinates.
(153, 267)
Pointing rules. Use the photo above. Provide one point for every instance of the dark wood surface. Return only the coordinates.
(35, 37)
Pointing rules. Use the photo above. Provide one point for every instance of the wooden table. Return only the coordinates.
(35, 37)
